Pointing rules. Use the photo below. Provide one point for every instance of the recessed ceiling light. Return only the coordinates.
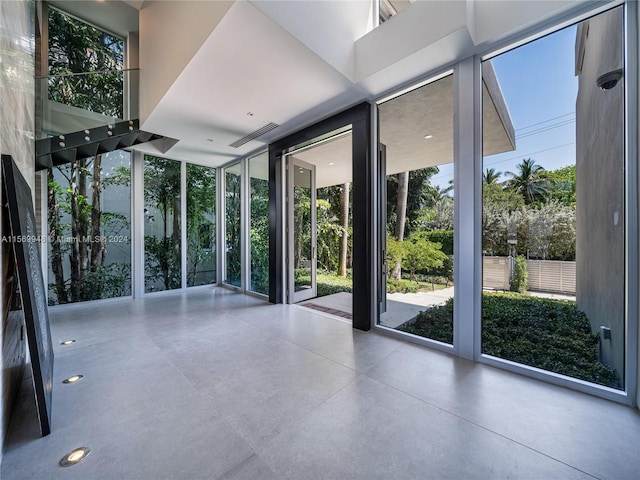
(74, 457)
(428, 136)
(73, 379)
(250, 114)
(209, 139)
(67, 342)
(330, 163)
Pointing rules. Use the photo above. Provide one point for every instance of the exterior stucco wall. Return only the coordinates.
(600, 208)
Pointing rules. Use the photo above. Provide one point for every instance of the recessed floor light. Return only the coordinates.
(74, 457)
(67, 342)
(73, 379)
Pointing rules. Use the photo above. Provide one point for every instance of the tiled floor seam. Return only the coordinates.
(222, 475)
(224, 419)
(329, 317)
(484, 428)
(301, 418)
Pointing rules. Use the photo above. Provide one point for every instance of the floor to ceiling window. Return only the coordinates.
(416, 133)
(554, 204)
(259, 223)
(89, 224)
(162, 237)
(233, 224)
(201, 225)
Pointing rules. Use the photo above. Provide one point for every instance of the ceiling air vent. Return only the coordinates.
(252, 136)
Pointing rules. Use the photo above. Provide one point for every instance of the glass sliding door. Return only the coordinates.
(259, 223)
(89, 223)
(233, 224)
(201, 225)
(554, 203)
(162, 237)
(416, 136)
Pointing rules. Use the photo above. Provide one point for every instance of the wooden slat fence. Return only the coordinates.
(544, 275)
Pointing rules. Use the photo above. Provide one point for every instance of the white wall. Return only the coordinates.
(17, 104)
(494, 19)
(638, 124)
(170, 34)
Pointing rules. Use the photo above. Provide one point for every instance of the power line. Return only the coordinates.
(545, 129)
(546, 121)
(524, 155)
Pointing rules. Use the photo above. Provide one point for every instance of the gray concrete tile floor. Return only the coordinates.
(212, 384)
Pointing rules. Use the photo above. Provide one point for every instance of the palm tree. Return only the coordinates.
(529, 181)
(491, 176)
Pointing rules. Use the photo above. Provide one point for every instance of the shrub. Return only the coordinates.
(443, 237)
(519, 280)
(435, 323)
(544, 333)
(402, 286)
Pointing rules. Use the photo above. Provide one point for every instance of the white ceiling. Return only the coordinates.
(405, 121)
(248, 64)
(293, 63)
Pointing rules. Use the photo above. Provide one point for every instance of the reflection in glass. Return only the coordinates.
(233, 248)
(553, 205)
(201, 225)
(259, 228)
(416, 130)
(162, 252)
(302, 241)
(89, 223)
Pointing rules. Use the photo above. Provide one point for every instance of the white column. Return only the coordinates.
(183, 223)
(137, 220)
(467, 239)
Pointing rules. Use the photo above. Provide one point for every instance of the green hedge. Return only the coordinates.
(443, 237)
(402, 286)
(549, 334)
(435, 323)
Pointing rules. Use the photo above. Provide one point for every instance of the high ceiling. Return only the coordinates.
(293, 63)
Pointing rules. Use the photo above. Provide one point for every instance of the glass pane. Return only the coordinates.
(232, 225)
(417, 132)
(77, 47)
(302, 242)
(162, 252)
(259, 228)
(201, 225)
(89, 215)
(554, 203)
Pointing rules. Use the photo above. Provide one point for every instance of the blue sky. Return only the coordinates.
(539, 87)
